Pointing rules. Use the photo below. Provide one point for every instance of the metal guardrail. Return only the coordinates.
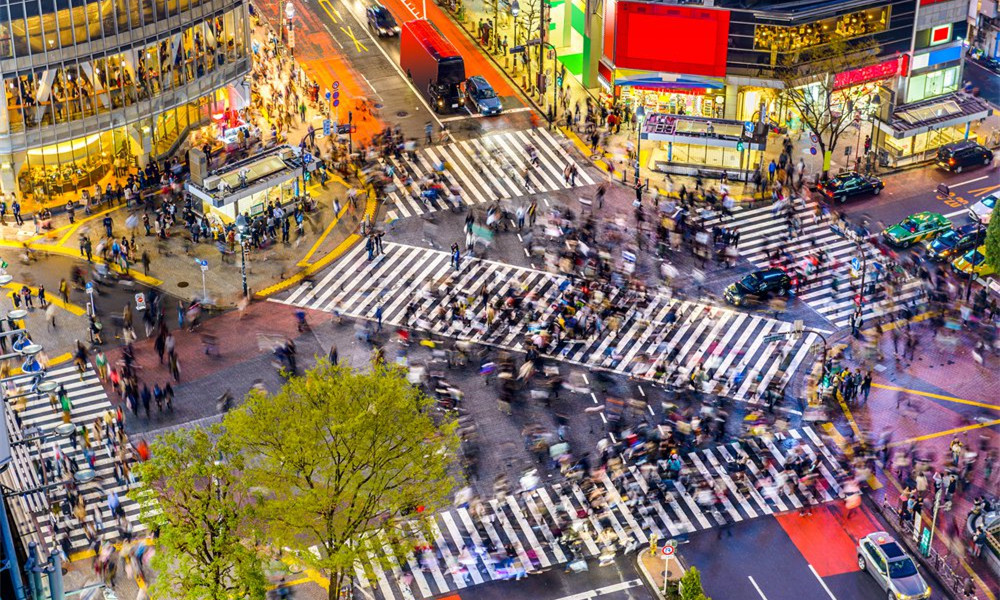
(955, 585)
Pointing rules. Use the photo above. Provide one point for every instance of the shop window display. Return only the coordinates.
(790, 39)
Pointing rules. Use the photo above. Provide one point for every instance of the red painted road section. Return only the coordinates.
(828, 540)
(475, 62)
(322, 61)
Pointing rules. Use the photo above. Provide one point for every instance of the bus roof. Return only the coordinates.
(429, 37)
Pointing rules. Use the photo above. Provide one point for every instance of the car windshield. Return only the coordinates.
(909, 225)
(950, 238)
(383, 18)
(486, 93)
(975, 257)
(989, 201)
(751, 281)
(902, 568)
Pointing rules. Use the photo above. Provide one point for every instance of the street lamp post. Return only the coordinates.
(972, 273)
(241, 228)
(640, 118)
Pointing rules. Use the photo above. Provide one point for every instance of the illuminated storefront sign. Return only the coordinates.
(940, 35)
(854, 77)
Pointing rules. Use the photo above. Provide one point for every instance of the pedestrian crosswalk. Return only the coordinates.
(546, 526)
(762, 232)
(483, 170)
(740, 354)
(38, 417)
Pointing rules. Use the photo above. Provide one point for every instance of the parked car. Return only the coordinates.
(480, 95)
(982, 211)
(381, 21)
(960, 155)
(955, 242)
(973, 263)
(916, 228)
(847, 185)
(892, 568)
(759, 285)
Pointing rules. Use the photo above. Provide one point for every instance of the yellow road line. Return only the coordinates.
(357, 43)
(931, 436)
(73, 227)
(51, 299)
(938, 396)
(841, 441)
(137, 275)
(329, 228)
(984, 190)
(370, 205)
(850, 419)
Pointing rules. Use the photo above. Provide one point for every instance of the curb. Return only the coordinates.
(371, 206)
(647, 577)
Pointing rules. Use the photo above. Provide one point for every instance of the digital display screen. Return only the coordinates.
(672, 39)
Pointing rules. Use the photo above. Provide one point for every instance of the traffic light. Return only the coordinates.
(739, 145)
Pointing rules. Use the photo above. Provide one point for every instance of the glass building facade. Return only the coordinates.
(93, 87)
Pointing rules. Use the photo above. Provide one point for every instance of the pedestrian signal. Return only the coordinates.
(739, 146)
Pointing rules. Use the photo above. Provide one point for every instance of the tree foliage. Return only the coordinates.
(808, 79)
(690, 586)
(346, 461)
(993, 244)
(207, 546)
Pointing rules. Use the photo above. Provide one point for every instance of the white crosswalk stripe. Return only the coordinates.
(89, 403)
(761, 233)
(750, 348)
(468, 548)
(485, 169)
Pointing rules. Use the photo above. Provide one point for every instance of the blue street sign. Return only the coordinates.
(336, 84)
(327, 95)
(90, 286)
(336, 95)
(748, 125)
(307, 158)
(856, 264)
(336, 102)
(203, 262)
(326, 126)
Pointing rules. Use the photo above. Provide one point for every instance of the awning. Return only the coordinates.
(956, 108)
(720, 133)
(671, 81)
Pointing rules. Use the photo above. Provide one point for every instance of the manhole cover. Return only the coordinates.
(401, 114)
(182, 284)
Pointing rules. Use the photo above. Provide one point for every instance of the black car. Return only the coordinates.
(480, 95)
(846, 185)
(381, 21)
(951, 244)
(759, 285)
(960, 155)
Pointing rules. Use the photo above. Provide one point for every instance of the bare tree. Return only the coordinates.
(810, 88)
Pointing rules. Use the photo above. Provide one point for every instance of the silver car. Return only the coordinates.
(982, 211)
(885, 560)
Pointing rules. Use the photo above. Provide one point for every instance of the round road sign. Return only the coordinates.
(667, 550)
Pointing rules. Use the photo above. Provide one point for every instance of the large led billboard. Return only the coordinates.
(672, 39)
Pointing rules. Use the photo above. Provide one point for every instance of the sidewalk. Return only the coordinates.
(654, 569)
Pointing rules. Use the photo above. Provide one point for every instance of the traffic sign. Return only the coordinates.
(773, 338)
(140, 301)
(328, 95)
(90, 287)
(748, 126)
(336, 84)
(336, 102)
(326, 126)
(336, 94)
(856, 264)
(667, 550)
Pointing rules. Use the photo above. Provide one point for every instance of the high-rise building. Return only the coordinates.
(95, 87)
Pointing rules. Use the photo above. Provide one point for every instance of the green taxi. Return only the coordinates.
(973, 263)
(916, 228)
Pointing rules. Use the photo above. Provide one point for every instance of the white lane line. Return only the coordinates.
(756, 587)
(822, 583)
(961, 183)
(608, 589)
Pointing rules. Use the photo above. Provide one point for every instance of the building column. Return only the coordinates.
(593, 40)
(142, 139)
(10, 166)
(732, 101)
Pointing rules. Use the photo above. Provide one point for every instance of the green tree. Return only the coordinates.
(808, 77)
(346, 462)
(993, 244)
(690, 586)
(196, 497)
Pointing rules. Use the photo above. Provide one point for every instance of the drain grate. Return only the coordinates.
(182, 284)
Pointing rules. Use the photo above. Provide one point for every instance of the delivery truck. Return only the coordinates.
(433, 64)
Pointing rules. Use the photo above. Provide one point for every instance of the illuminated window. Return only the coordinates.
(791, 39)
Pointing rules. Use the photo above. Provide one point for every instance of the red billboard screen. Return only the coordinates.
(673, 39)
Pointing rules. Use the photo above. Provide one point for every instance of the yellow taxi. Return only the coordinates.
(973, 262)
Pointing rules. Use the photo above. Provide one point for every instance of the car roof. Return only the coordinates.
(479, 80)
(968, 228)
(962, 145)
(772, 272)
